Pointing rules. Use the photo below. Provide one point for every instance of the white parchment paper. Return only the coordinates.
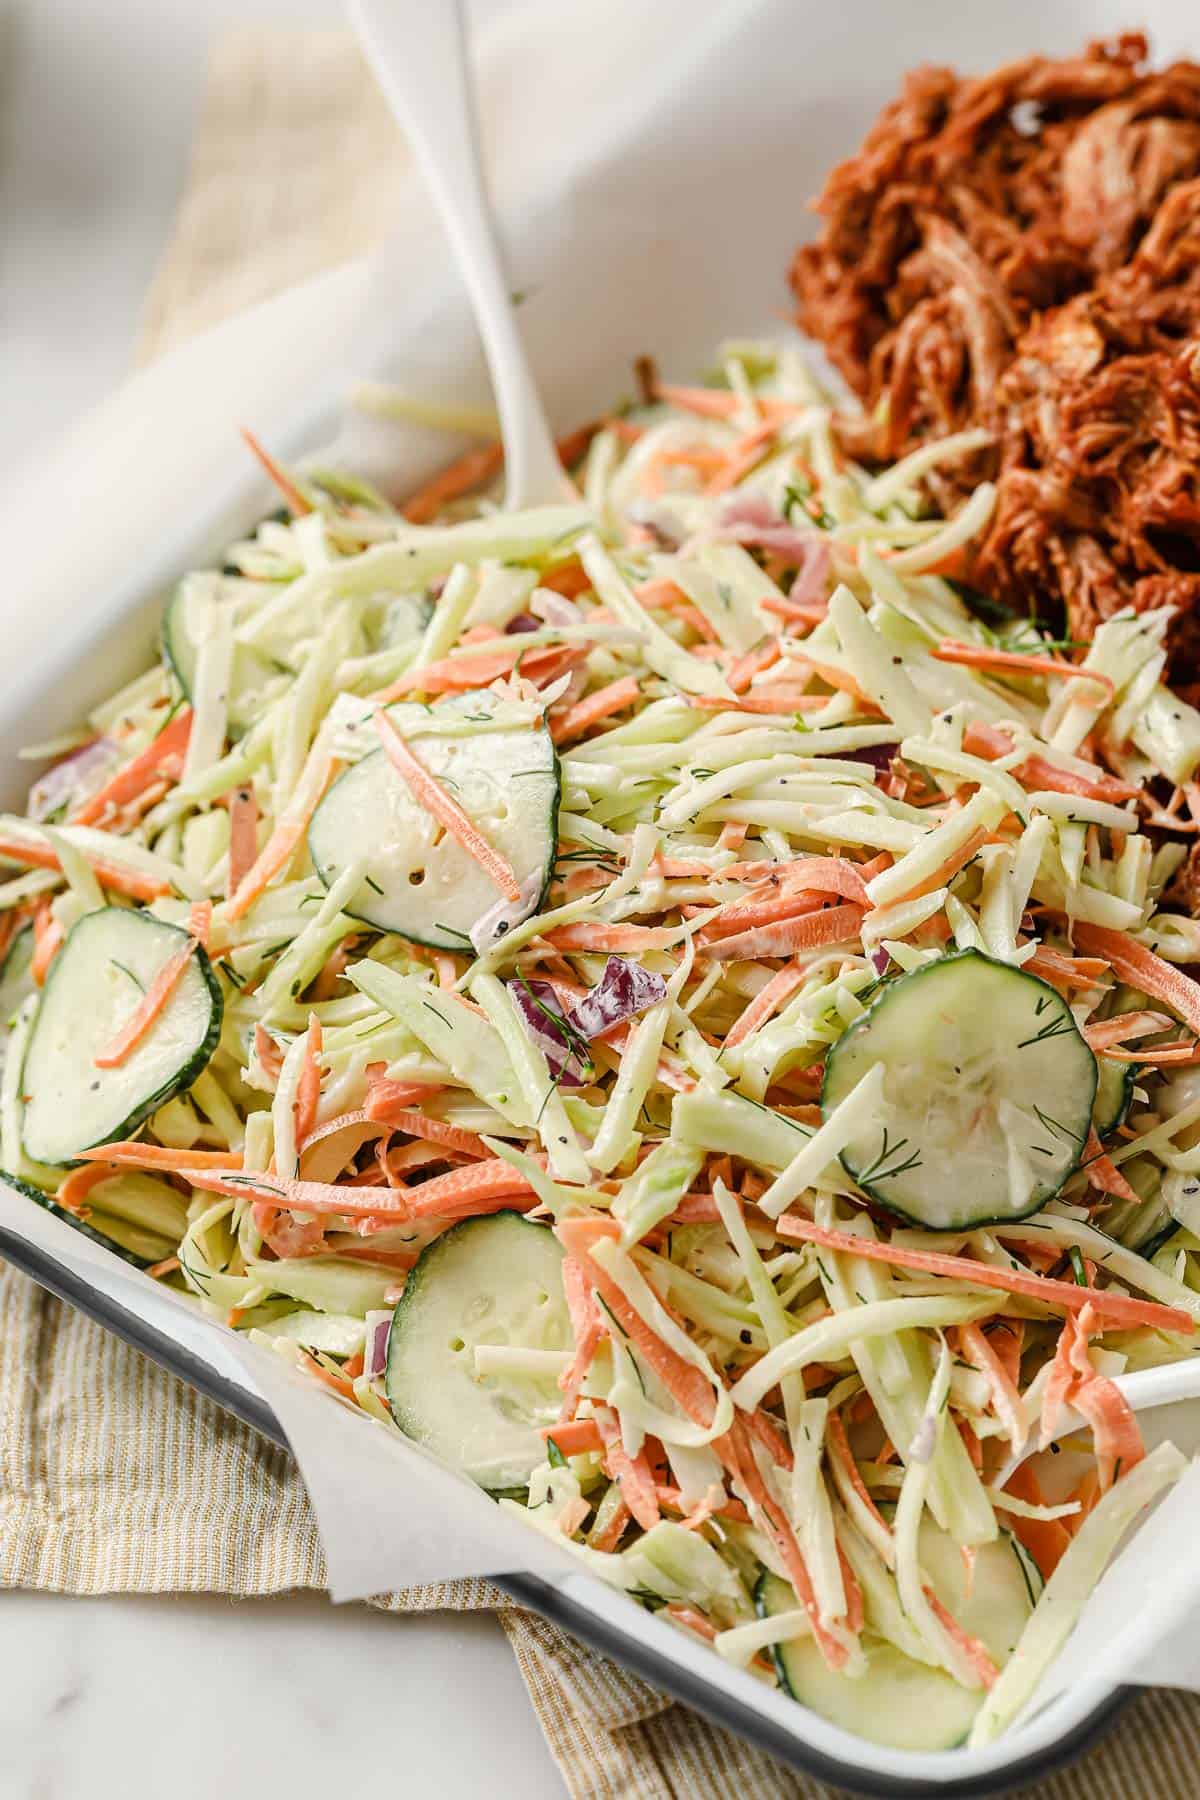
(652, 165)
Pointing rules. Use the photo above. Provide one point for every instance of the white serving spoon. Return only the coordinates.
(417, 50)
(1144, 1389)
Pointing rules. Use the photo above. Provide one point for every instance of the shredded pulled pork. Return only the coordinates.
(1022, 251)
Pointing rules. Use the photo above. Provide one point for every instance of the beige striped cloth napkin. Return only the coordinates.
(114, 1477)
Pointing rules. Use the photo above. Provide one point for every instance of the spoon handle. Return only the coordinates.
(418, 51)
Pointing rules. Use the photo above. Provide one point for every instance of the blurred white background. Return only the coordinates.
(98, 104)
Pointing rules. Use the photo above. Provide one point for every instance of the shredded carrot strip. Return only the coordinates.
(1074, 1381)
(692, 1620)
(720, 403)
(243, 838)
(737, 1454)
(614, 1530)
(267, 1051)
(574, 1437)
(612, 937)
(766, 1003)
(1107, 1032)
(287, 487)
(338, 1383)
(436, 801)
(417, 1124)
(839, 1447)
(586, 1327)
(279, 848)
(601, 705)
(384, 1093)
(976, 656)
(763, 656)
(856, 1611)
(472, 470)
(763, 700)
(688, 1387)
(308, 1088)
(1180, 1053)
(683, 1381)
(200, 921)
(976, 1347)
(741, 458)
(1045, 1539)
(1063, 971)
(989, 741)
(1120, 1309)
(798, 886)
(570, 579)
(48, 935)
(130, 1153)
(772, 1440)
(970, 1646)
(167, 1266)
(75, 1187)
(946, 870)
(316, 1134)
(717, 1506)
(456, 674)
(835, 925)
(1103, 1174)
(631, 1473)
(128, 782)
(132, 882)
(666, 596)
(1143, 970)
(476, 1188)
(147, 1010)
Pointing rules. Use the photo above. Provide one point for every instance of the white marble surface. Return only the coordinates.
(140, 1698)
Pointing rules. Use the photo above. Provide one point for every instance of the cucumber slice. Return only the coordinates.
(987, 1095)
(419, 880)
(1114, 1094)
(108, 961)
(897, 1701)
(495, 1280)
(129, 1242)
(16, 974)
(251, 672)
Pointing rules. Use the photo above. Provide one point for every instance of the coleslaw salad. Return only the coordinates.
(658, 1000)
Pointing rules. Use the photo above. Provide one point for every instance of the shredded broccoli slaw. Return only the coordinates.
(712, 770)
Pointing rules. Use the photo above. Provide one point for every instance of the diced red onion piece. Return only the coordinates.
(879, 960)
(544, 1020)
(751, 519)
(73, 780)
(878, 756)
(552, 608)
(379, 1325)
(522, 622)
(812, 578)
(624, 990)
(661, 521)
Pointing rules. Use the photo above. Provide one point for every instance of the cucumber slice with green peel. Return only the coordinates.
(16, 974)
(898, 1701)
(251, 672)
(1115, 1083)
(131, 1243)
(419, 880)
(95, 984)
(987, 1093)
(489, 1281)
